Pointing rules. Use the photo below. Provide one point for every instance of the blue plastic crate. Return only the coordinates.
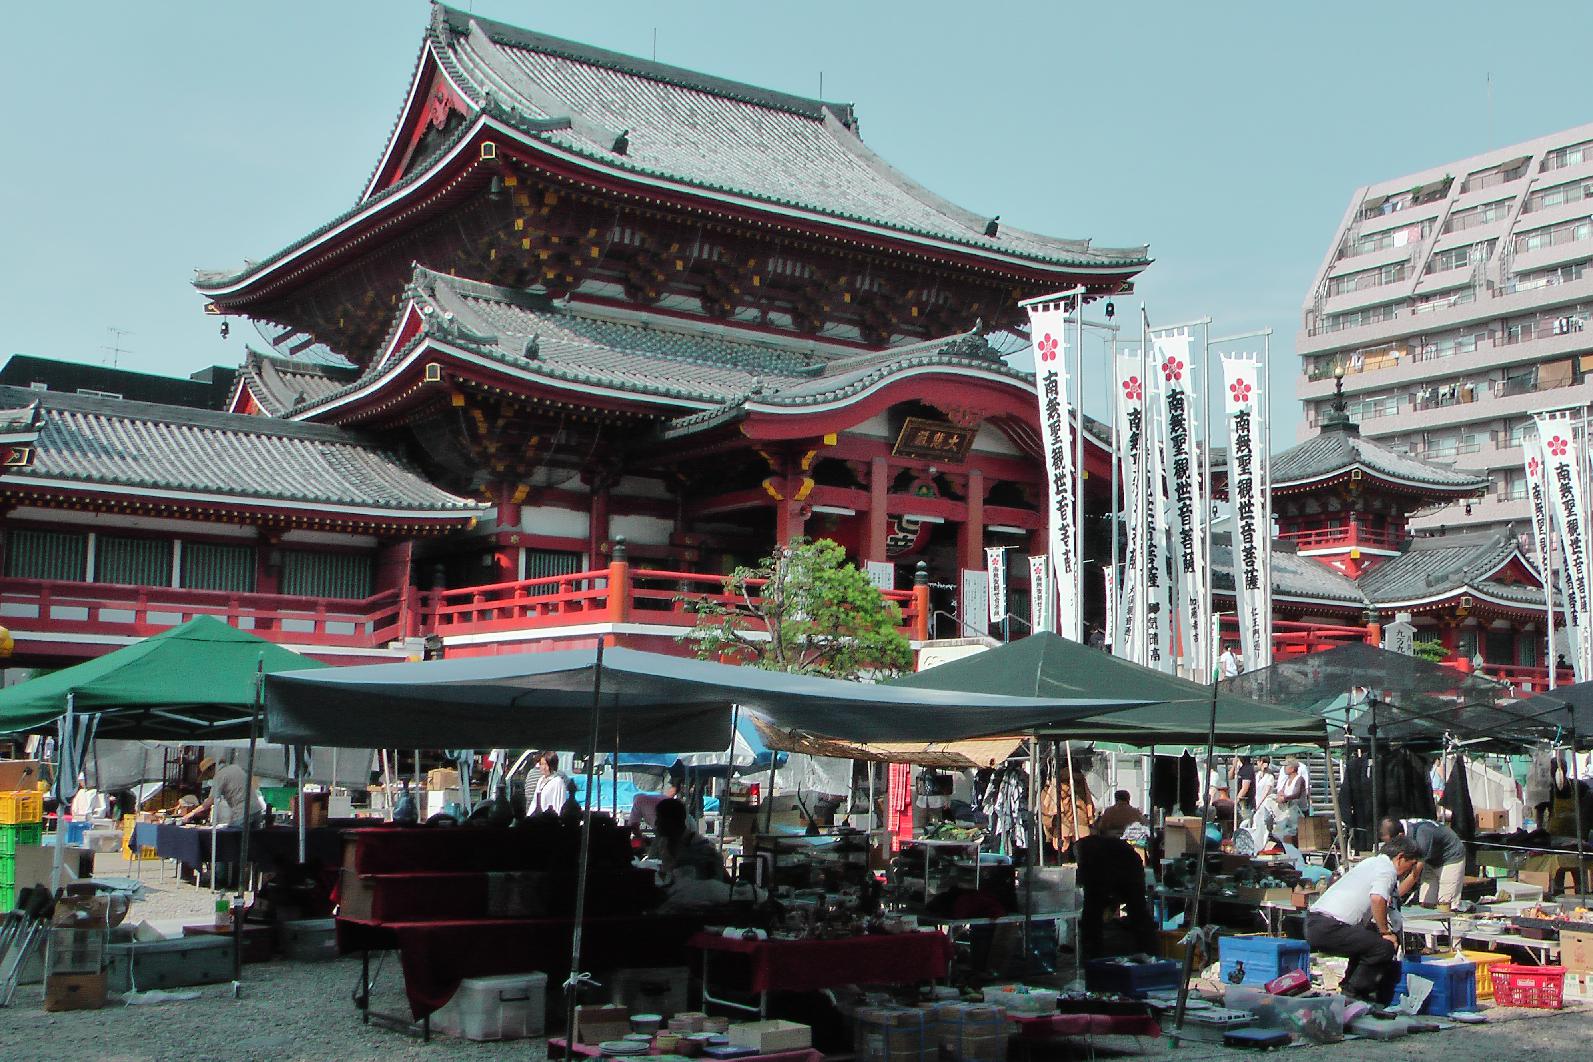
(1252, 960)
(1132, 979)
(1454, 984)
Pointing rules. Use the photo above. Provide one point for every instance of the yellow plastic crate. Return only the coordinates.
(21, 808)
(1483, 960)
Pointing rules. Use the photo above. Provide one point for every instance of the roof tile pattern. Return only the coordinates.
(113, 443)
(1332, 453)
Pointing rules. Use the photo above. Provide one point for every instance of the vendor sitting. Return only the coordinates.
(1112, 876)
(229, 786)
(1441, 871)
(1352, 919)
(681, 850)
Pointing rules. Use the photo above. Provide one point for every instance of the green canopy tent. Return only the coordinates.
(1177, 710)
(198, 681)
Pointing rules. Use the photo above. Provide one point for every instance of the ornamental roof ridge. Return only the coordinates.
(458, 22)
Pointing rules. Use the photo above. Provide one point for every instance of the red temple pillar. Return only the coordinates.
(878, 518)
(506, 558)
(971, 535)
(597, 524)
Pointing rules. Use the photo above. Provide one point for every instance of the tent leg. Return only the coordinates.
(248, 827)
(63, 738)
(730, 766)
(1576, 792)
(572, 984)
(1073, 796)
(298, 781)
(1193, 915)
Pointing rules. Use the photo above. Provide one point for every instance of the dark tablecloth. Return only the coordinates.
(1043, 1027)
(191, 844)
(436, 956)
(808, 965)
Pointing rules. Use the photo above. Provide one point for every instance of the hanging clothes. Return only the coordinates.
(1188, 784)
(1002, 795)
(1562, 803)
(1535, 790)
(1164, 783)
(1457, 800)
(1062, 804)
(899, 804)
(1355, 800)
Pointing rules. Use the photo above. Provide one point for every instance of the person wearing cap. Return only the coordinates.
(229, 785)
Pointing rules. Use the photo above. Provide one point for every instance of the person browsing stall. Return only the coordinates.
(1352, 919)
(546, 791)
(1441, 871)
(1112, 876)
(230, 787)
(1120, 816)
(680, 849)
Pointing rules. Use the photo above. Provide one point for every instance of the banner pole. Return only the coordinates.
(1114, 507)
(1078, 473)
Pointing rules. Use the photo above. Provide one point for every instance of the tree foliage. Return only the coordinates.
(802, 609)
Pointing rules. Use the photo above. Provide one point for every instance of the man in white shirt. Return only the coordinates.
(1352, 919)
(1229, 662)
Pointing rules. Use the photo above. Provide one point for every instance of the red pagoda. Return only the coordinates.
(597, 330)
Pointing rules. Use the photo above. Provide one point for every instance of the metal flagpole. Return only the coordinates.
(1146, 499)
(1203, 578)
(1078, 471)
(1114, 506)
(576, 978)
(1265, 653)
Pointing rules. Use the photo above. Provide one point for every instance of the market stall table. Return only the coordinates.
(593, 1051)
(810, 965)
(1038, 1029)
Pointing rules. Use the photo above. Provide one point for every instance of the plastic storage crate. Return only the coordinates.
(1483, 960)
(1131, 979)
(176, 963)
(1454, 983)
(510, 1007)
(13, 835)
(22, 807)
(1533, 987)
(895, 1034)
(1253, 960)
(971, 1032)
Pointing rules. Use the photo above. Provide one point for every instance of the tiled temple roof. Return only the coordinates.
(1334, 452)
(280, 383)
(100, 443)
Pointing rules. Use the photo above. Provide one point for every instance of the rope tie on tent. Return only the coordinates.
(578, 978)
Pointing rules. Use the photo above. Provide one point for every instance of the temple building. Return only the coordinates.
(597, 330)
(1345, 560)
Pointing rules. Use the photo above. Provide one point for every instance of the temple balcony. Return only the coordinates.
(1349, 536)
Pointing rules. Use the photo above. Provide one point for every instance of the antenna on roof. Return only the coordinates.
(821, 84)
(114, 348)
(655, 44)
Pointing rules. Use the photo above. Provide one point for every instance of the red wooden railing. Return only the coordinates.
(1328, 537)
(138, 611)
(1526, 681)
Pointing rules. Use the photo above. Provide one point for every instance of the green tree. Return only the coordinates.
(802, 609)
(1430, 649)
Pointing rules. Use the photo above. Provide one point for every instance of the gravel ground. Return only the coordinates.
(293, 1011)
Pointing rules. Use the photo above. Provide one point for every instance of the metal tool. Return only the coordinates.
(35, 926)
(12, 923)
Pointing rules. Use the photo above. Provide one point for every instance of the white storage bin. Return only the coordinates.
(511, 1007)
(651, 989)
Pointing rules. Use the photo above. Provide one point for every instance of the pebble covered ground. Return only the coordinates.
(290, 1011)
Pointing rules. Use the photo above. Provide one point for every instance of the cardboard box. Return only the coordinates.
(1181, 837)
(76, 991)
(596, 1023)
(767, 1037)
(1576, 951)
(1492, 820)
(442, 778)
(1316, 833)
(33, 864)
(1543, 879)
(18, 774)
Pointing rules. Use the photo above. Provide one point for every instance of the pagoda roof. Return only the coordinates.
(675, 130)
(278, 383)
(1335, 453)
(689, 372)
(178, 456)
(1431, 571)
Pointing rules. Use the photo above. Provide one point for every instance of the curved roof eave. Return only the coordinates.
(233, 285)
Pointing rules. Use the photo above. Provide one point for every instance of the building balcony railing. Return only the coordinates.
(103, 609)
(616, 594)
(1351, 536)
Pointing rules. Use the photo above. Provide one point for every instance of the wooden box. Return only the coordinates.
(74, 991)
(1316, 833)
(1576, 951)
(596, 1023)
(1492, 820)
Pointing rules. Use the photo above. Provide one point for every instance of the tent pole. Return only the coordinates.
(63, 735)
(1200, 867)
(1377, 794)
(730, 766)
(573, 982)
(768, 798)
(613, 782)
(1576, 793)
(1073, 796)
(243, 842)
(1035, 842)
(299, 754)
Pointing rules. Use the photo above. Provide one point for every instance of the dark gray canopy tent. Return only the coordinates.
(607, 698)
(660, 703)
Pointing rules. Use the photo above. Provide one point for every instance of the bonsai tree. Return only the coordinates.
(803, 609)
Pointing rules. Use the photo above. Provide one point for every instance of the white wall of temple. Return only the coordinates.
(645, 530)
(549, 520)
(993, 440)
(328, 538)
(640, 487)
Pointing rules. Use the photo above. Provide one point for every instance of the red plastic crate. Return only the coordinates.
(1535, 987)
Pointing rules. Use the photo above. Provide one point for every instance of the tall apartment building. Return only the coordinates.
(1455, 302)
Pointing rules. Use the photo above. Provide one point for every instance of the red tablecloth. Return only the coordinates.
(1043, 1027)
(436, 956)
(807, 965)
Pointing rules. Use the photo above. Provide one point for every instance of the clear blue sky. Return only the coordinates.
(143, 140)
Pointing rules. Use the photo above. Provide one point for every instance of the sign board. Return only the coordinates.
(931, 440)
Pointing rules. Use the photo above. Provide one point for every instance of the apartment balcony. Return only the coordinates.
(1362, 298)
(1557, 255)
(1427, 417)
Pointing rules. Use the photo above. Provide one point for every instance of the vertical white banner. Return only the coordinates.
(1251, 537)
(1040, 594)
(882, 574)
(1543, 544)
(1047, 324)
(1160, 597)
(1561, 458)
(975, 604)
(996, 582)
(1186, 501)
(1132, 630)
